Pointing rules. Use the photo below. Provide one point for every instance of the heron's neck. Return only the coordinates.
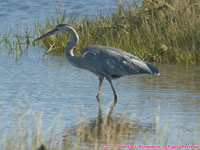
(70, 45)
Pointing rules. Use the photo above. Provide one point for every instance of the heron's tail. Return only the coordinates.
(153, 69)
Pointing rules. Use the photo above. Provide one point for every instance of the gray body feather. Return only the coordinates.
(113, 63)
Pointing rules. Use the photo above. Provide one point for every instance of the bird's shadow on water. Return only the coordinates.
(105, 129)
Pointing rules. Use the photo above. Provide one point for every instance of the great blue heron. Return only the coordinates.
(103, 61)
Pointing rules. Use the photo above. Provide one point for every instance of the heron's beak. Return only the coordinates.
(45, 35)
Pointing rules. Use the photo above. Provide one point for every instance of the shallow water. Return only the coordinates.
(50, 85)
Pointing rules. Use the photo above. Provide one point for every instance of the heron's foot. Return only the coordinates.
(115, 100)
(112, 107)
(98, 98)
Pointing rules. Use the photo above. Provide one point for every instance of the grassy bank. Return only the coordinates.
(163, 31)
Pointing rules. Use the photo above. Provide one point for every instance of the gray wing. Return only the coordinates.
(114, 63)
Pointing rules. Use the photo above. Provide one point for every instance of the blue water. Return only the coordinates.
(18, 13)
(51, 86)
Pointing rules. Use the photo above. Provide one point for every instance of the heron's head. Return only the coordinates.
(58, 29)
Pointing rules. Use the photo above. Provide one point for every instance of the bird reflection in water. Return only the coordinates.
(107, 129)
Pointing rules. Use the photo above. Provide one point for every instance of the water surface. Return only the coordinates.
(25, 13)
(52, 86)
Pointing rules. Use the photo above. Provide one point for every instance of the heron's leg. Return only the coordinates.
(113, 89)
(99, 89)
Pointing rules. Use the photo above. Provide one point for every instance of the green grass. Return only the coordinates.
(161, 31)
